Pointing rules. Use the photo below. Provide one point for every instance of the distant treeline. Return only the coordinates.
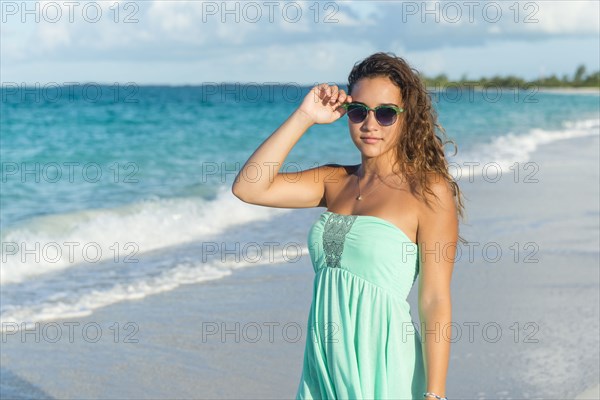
(579, 79)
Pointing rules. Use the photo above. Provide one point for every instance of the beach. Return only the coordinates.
(526, 321)
(129, 269)
(573, 90)
(196, 294)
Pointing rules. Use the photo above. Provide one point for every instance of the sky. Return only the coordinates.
(193, 42)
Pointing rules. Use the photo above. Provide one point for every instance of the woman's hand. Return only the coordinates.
(323, 103)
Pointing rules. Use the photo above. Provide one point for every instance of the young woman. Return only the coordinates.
(389, 219)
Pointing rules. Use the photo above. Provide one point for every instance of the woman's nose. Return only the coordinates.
(370, 121)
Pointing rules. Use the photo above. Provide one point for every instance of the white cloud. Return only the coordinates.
(187, 32)
(562, 17)
(172, 17)
(351, 13)
(51, 36)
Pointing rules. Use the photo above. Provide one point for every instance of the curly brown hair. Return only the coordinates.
(419, 151)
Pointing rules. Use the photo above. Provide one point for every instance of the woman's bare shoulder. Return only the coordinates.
(441, 191)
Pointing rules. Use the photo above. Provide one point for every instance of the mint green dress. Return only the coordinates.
(361, 341)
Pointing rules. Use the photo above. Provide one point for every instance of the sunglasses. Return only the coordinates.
(385, 115)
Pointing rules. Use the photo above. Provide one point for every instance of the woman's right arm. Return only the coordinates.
(259, 181)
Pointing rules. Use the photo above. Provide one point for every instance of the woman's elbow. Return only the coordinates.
(435, 302)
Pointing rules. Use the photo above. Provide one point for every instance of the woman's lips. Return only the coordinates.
(370, 140)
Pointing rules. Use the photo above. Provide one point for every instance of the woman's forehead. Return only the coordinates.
(380, 90)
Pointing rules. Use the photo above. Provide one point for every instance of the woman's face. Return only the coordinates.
(374, 92)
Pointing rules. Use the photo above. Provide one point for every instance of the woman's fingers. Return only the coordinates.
(327, 90)
(334, 94)
(342, 97)
(328, 100)
(320, 90)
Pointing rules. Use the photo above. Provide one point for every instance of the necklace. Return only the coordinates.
(360, 196)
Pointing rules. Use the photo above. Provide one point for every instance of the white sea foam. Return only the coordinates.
(160, 224)
(504, 151)
(51, 243)
(66, 304)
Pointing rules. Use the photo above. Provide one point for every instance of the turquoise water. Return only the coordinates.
(149, 165)
(167, 141)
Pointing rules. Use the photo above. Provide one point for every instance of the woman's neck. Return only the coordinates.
(372, 170)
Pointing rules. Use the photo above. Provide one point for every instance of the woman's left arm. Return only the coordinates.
(437, 238)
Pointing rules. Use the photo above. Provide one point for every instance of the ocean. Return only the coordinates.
(115, 193)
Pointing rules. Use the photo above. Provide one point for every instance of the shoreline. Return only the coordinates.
(583, 90)
(593, 393)
(471, 84)
(556, 90)
(173, 359)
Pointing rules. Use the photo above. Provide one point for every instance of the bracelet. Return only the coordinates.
(434, 395)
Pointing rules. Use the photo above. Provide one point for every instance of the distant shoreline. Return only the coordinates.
(569, 90)
(125, 85)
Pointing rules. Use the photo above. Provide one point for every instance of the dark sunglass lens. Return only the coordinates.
(357, 114)
(386, 115)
